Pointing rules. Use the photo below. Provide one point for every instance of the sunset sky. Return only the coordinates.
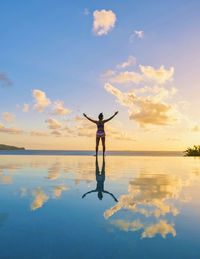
(59, 59)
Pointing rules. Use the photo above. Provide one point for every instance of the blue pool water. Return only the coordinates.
(72, 207)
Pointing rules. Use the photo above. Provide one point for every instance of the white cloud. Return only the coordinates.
(140, 34)
(26, 107)
(53, 124)
(8, 117)
(104, 21)
(4, 80)
(160, 75)
(41, 100)
(59, 109)
(131, 61)
(148, 74)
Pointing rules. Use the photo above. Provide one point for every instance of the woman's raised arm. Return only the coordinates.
(111, 117)
(89, 118)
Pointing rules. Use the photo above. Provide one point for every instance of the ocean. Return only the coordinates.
(89, 153)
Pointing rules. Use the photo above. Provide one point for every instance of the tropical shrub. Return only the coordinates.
(194, 151)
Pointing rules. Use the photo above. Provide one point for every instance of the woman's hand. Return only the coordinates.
(116, 113)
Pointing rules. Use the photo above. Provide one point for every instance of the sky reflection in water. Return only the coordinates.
(129, 206)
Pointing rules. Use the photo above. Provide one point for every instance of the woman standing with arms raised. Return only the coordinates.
(100, 130)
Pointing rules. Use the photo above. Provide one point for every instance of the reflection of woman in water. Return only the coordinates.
(100, 178)
(100, 130)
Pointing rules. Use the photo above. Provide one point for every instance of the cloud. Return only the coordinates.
(160, 75)
(58, 189)
(84, 128)
(53, 124)
(11, 130)
(41, 101)
(59, 109)
(131, 61)
(162, 227)
(53, 172)
(40, 198)
(8, 117)
(38, 133)
(148, 74)
(26, 107)
(104, 21)
(56, 133)
(150, 195)
(140, 34)
(127, 77)
(147, 110)
(108, 73)
(69, 130)
(118, 133)
(4, 80)
(126, 225)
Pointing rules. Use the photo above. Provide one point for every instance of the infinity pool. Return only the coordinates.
(123, 207)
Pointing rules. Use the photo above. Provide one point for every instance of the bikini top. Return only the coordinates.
(100, 126)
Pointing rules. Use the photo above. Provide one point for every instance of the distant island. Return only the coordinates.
(7, 147)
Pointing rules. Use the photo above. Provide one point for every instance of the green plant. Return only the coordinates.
(194, 151)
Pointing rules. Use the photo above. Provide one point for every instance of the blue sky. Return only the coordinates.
(50, 46)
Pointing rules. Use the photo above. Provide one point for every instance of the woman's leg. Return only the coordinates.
(103, 144)
(97, 145)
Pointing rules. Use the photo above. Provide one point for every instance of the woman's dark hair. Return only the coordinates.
(100, 116)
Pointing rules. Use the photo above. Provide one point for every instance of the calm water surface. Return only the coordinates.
(72, 207)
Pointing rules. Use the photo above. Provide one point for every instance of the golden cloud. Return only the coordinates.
(41, 101)
(162, 227)
(58, 190)
(40, 198)
(59, 109)
(53, 124)
(147, 110)
(10, 130)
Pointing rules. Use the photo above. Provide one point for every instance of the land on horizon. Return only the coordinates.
(7, 147)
